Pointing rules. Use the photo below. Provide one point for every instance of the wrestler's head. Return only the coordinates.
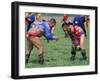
(66, 26)
(38, 16)
(52, 22)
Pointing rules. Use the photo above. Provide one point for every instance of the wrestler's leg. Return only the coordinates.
(36, 42)
(83, 51)
(73, 52)
(28, 50)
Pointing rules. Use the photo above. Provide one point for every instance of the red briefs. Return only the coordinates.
(31, 34)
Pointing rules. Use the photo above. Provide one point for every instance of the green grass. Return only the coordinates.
(57, 53)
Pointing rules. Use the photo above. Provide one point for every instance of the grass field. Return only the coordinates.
(57, 53)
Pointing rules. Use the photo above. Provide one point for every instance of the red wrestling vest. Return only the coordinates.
(76, 34)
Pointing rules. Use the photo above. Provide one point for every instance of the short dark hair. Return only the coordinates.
(66, 24)
(29, 13)
(53, 20)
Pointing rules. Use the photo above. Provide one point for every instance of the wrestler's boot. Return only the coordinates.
(84, 57)
(41, 59)
(73, 52)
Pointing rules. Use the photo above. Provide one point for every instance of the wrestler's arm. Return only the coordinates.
(82, 37)
(47, 32)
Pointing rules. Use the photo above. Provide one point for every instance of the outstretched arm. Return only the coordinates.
(47, 32)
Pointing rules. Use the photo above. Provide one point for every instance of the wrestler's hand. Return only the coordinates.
(55, 38)
(27, 35)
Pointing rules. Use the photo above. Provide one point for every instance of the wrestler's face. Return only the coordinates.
(68, 29)
(51, 24)
(28, 14)
(38, 16)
